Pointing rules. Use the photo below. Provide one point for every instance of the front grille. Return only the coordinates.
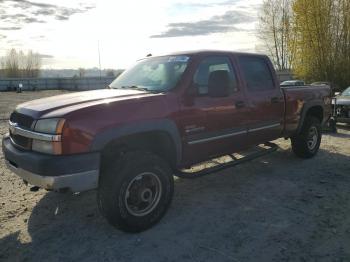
(343, 111)
(21, 141)
(25, 122)
(22, 120)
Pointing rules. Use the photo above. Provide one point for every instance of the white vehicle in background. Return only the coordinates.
(341, 107)
(292, 83)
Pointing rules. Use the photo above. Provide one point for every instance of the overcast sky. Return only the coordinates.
(67, 32)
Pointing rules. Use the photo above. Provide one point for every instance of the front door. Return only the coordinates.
(224, 126)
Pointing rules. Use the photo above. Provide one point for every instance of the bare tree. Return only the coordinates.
(32, 64)
(18, 64)
(275, 32)
(11, 64)
(82, 72)
(110, 73)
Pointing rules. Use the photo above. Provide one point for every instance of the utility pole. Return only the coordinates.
(99, 57)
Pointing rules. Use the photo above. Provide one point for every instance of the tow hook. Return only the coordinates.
(34, 188)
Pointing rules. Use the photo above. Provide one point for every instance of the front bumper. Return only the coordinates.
(343, 120)
(341, 112)
(76, 173)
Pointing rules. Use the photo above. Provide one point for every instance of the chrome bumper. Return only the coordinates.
(77, 182)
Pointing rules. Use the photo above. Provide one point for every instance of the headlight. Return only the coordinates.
(53, 127)
(49, 126)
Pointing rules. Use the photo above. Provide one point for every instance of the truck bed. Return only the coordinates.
(298, 99)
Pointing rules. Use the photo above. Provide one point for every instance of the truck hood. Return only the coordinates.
(40, 107)
(343, 100)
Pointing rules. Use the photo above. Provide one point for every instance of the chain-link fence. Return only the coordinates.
(32, 84)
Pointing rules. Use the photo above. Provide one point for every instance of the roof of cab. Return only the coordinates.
(212, 52)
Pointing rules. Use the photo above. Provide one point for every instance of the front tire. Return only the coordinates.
(135, 190)
(307, 143)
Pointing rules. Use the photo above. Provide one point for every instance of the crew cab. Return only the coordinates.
(164, 114)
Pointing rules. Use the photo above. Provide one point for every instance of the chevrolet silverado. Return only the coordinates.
(164, 114)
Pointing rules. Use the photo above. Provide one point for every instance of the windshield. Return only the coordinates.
(153, 74)
(346, 92)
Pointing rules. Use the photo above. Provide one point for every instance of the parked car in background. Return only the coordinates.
(320, 83)
(334, 87)
(292, 83)
(341, 106)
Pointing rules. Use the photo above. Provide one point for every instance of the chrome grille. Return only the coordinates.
(21, 120)
(343, 111)
(25, 122)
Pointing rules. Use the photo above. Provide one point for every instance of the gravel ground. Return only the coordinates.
(276, 208)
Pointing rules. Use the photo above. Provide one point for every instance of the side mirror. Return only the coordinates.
(219, 83)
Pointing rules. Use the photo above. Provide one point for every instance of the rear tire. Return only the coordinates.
(307, 143)
(135, 190)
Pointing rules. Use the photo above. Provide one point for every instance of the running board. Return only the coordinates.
(215, 165)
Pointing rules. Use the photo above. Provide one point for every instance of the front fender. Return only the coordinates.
(165, 125)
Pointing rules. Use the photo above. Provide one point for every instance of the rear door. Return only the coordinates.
(225, 125)
(265, 98)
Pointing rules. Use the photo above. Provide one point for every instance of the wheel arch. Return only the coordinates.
(315, 109)
(160, 137)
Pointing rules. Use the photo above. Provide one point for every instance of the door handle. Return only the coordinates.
(240, 104)
(275, 100)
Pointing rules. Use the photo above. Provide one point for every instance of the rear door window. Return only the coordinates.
(257, 73)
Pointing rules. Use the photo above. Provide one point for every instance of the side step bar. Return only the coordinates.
(216, 166)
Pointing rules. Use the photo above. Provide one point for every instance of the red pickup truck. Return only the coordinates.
(161, 116)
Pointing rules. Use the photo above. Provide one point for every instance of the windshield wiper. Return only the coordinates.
(130, 87)
(140, 88)
(134, 87)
